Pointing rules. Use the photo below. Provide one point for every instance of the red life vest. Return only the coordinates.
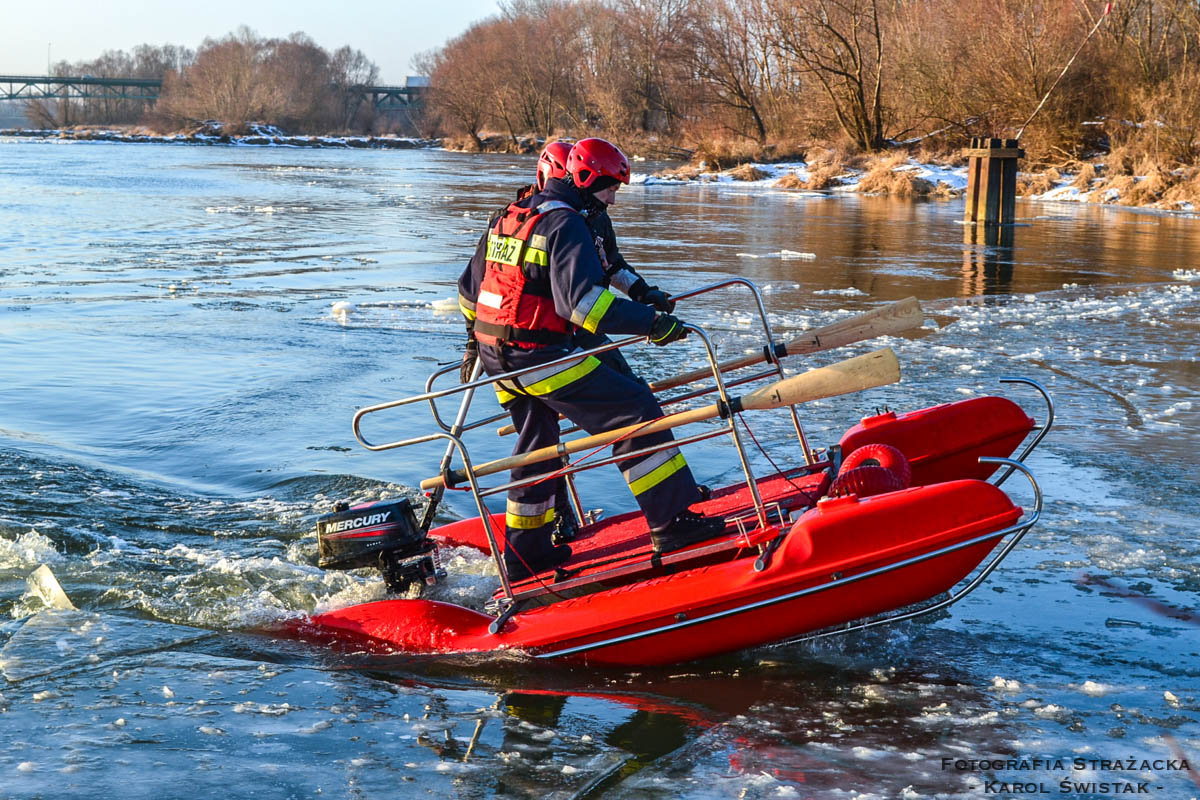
(512, 307)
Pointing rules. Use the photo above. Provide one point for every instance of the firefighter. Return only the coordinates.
(552, 163)
(534, 279)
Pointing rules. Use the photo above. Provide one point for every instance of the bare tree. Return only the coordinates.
(731, 61)
(462, 84)
(840, 43)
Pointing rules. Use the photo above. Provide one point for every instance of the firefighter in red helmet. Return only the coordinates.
(534, 279)
(594, 154)
(618, 273)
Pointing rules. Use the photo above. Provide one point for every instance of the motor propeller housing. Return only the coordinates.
(384, 535)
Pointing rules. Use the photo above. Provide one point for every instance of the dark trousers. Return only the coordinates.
(611, 358)
(598, 399)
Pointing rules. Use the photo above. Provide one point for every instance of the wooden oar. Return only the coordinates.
(893, 318)
(852, 375)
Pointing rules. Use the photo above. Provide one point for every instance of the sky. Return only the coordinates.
(389, 33)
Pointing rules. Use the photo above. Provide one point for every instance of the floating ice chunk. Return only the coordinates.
(1170, 697)
(1093, 688)
(209, 730)
(747, 255)
(792, 255)
(849, 291)
(447, 305)
(569, 770)
(317, 727)
(43, 583)
(343, 308)
(168, 692)
(26, 766)
(1186, 275)
(1006, 684)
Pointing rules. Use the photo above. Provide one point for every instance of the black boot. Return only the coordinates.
(566, 526)
(687, 528)
(519, 570)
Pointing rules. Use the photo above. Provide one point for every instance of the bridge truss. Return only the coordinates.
(26, 87)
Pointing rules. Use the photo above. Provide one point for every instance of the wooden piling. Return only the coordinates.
(992, 181)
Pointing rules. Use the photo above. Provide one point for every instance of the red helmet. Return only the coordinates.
(552, 163)
(593, 158)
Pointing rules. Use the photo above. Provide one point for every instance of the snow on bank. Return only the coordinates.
(1099, 190)
(260, 136)
(790, 174)
(912, 177)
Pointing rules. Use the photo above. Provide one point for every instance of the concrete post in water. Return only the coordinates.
(992, 181)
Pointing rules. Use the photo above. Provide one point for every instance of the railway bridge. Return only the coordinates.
(88, 87)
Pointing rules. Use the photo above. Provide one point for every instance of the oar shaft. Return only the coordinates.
(895, 317)
(586, 443)
(862, 372)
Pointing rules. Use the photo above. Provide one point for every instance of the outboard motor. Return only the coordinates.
(385, 535)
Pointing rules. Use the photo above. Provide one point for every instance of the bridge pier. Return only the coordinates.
(992, 181)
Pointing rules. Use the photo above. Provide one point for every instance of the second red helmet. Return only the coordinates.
(592, 158)
(552, 163)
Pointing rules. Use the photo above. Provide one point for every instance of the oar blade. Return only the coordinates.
(852, 375)
(894, 318)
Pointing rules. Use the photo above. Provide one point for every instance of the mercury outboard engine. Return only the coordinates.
(384, 535)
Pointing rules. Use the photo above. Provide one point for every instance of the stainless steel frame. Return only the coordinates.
(452, 433)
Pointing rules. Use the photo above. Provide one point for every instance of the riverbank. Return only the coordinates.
(900, 175)
(212, 134)
(827, 171)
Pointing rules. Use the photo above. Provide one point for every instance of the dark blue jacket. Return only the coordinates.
(575, 273)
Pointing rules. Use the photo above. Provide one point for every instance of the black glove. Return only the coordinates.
(651, 296)
(666, 329)
(468, 362)
(658, 299)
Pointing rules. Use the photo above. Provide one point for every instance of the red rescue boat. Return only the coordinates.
(805, 553)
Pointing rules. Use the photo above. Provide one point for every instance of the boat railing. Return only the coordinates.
(452, 433)
(1042, 429)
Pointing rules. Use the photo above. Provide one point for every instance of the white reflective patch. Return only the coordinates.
(622, 279)
(649, 464)
(581, 311)
(490, 299)
(529, 509)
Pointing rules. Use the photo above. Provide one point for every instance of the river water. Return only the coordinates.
(175, 412)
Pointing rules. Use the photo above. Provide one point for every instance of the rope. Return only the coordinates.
(778, 470)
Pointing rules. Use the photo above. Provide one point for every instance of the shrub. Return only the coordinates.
(748, 172)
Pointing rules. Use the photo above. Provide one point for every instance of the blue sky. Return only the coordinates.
(390, 33)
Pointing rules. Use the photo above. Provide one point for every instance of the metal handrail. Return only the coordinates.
(602, 462)
(430, 396)
(776, 367)
(452, 433)
(1019, 531)
(1042, 429)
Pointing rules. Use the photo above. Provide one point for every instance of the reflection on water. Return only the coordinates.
(988, 259)
(177, 404)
